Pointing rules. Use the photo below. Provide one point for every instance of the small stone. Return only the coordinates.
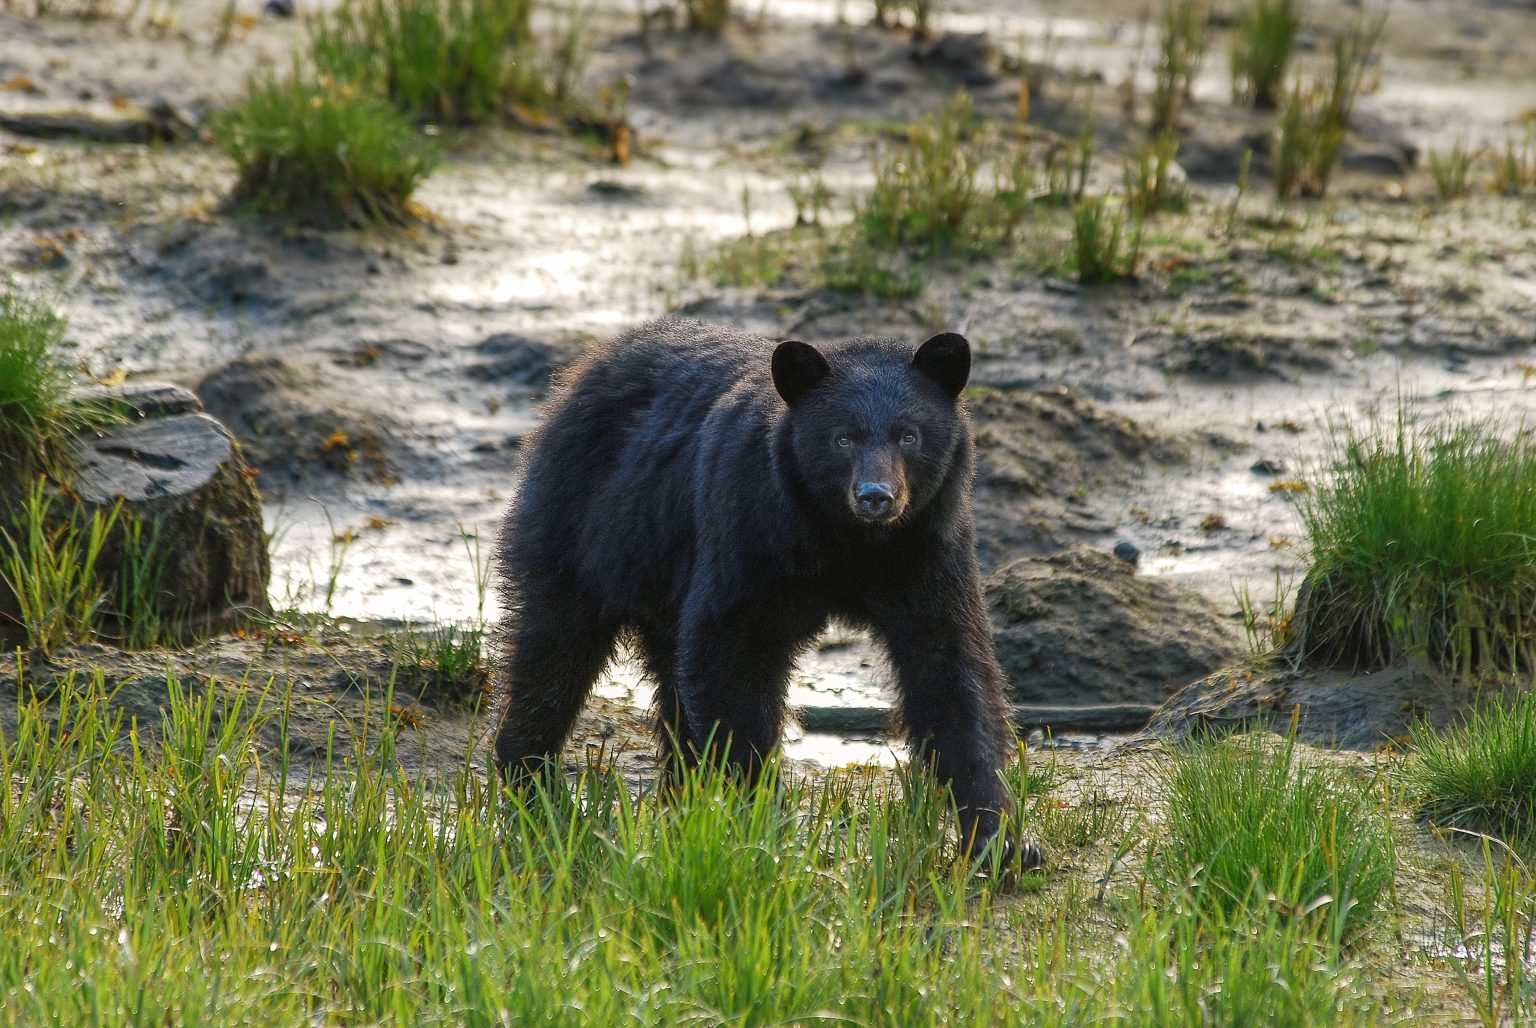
(1268, 466)
(1127, 551)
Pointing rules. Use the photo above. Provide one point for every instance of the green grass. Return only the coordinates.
(1263, 40)
(322, 152)
(176, 871)
(1420, 546)
(34, 382)
(1316, 117)
(955, 187)
(1180, 968)
(754, 260)
(1308, 145)
(1148, 175)
(1481, 775)
(1102, 248)
(1514, 167)
(50, 564)
(888, 14)
(1451, 170)
(1493, 946)
(454, 60)
(1250, 828)
(173, 879)
(931, 193)
(443, 661)
(707, 16)
(1184, 27)
(77, 575)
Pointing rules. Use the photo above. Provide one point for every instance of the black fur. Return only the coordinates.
(695, 487)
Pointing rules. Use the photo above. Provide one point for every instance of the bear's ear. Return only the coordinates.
(946, 358)
(797, 367)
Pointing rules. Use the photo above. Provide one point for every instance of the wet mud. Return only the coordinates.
(383, 381)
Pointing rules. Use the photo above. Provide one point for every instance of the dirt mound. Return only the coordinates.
(1083, 628)
(296, 420)
(1039, 454)
(1332, 707)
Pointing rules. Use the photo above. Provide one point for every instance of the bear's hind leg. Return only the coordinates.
(658, 646)
(556, 646)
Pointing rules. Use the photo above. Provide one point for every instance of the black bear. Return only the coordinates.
(718, 498)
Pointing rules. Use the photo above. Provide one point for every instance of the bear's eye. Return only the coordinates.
(845, 440)
(909, 438)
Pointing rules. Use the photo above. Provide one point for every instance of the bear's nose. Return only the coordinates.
(875, 499)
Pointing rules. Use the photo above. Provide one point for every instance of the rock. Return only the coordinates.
(296, 420)
(1268, 466)
(1128, 552)
(1214, 156)
(1082, 628)
(180, 474)
(1377, 145)
(967, 56)
(1375, 159)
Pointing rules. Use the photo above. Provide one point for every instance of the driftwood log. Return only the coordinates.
(160, 123)
(1105, 717)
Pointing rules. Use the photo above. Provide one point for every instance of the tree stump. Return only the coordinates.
(180, 474)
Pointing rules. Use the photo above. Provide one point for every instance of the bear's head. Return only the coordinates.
(874, 426)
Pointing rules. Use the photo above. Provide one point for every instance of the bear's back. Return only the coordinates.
(609, 488)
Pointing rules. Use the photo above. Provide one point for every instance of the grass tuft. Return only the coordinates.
(1451, 170)
(951, 188)
(1251, 828)
(76, 574)
(460, 61)
(444, 661)
(1481, 775)
(1493, 951)
(34, 412)
(888, 14)
(1514, 167)
(707, 16)
(1263, 41)
(1185, 39)
(1101, 249)
(1316, 117)
(323, 152)
(1421, 546)
(931, 195)
(1150, 185)
(50, 566)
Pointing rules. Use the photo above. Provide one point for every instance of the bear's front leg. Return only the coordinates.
(733, 665)
(950, 691)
